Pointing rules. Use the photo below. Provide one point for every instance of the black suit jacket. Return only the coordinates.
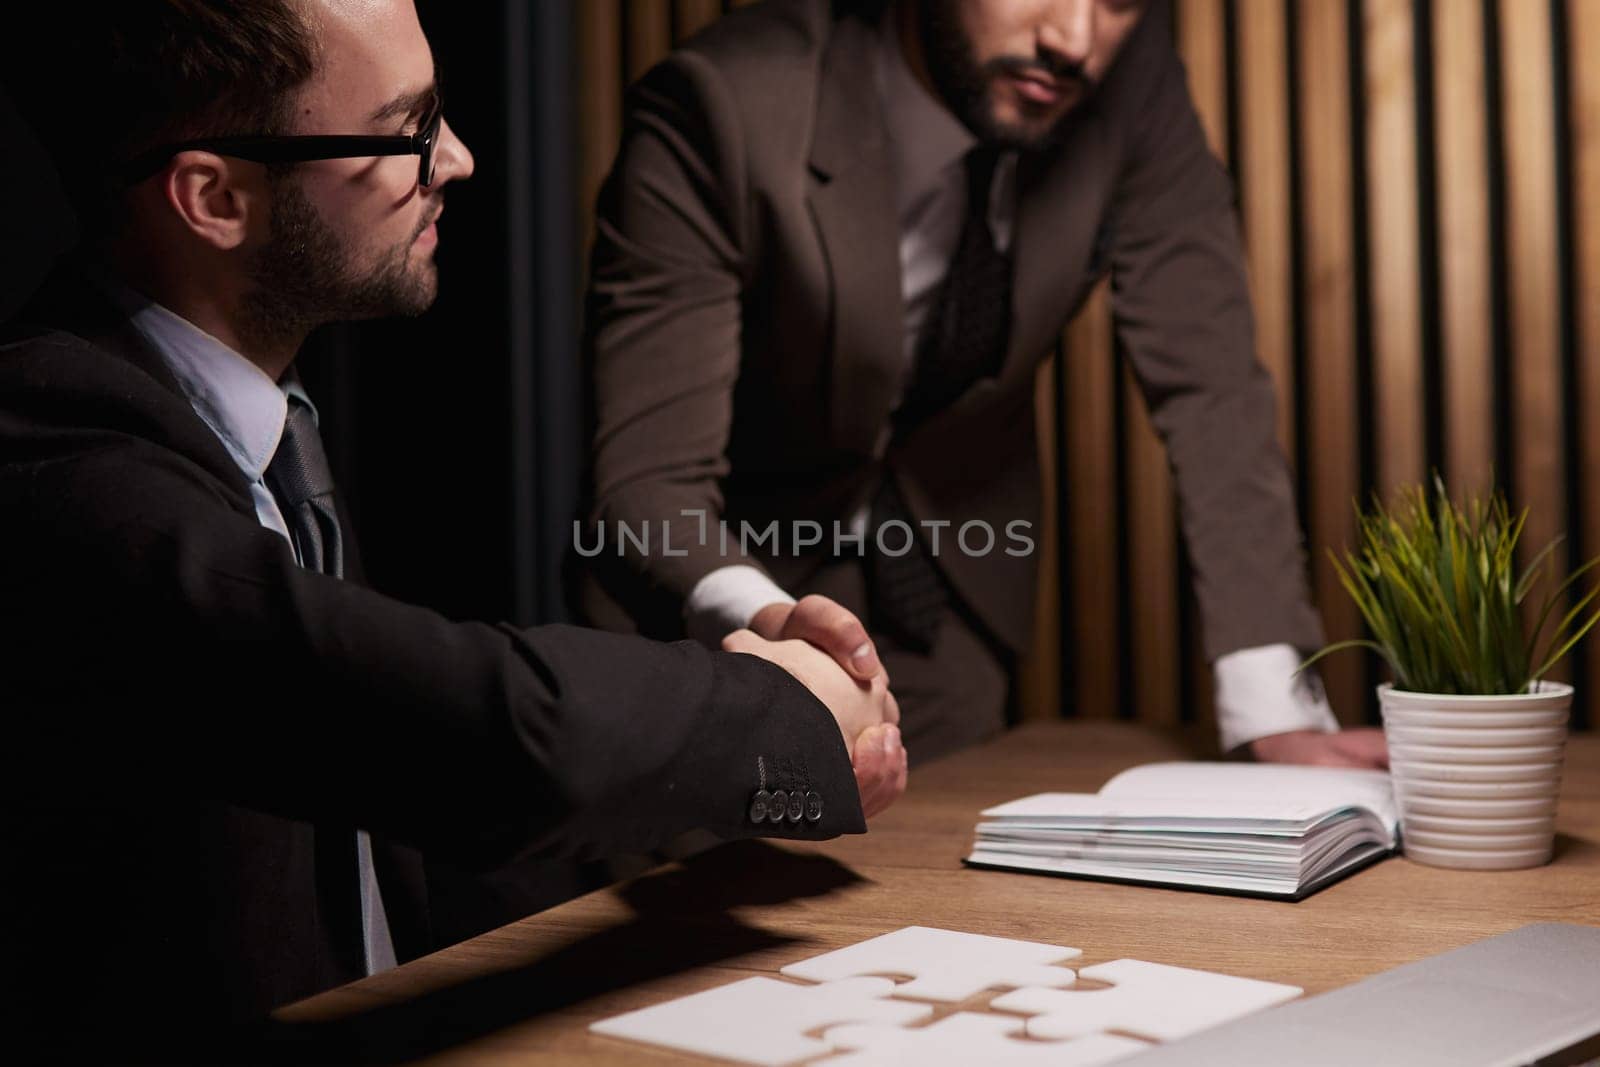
(195, 724)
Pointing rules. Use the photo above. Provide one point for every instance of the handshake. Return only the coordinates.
(827, 650)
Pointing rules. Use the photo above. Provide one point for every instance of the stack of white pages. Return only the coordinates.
(1255, 829)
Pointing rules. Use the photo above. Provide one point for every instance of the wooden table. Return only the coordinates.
(529, 990)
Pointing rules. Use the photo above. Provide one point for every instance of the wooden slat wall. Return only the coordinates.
(1390, 91)
(1039, 683)
(1461, 191)
(1203, 40)
(1095, 615)
(1262, 75)
(650, 34)
(691, 15)
(1527, 104)
(1330, 456)
(1154, 641)
(1419, 193)
(1582, 34)
(600, 70)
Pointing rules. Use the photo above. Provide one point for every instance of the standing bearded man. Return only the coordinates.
(837, 241)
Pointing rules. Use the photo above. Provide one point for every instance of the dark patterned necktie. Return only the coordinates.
(964, 339)
(963, 342)
(303, 485)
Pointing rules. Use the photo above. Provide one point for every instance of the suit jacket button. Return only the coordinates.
(813, 806)
(778, 806)
(759, 805)
(797, 805)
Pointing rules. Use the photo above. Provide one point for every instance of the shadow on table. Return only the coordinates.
(682, 921)
(1569, 848)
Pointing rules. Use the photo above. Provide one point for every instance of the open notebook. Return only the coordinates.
(1255, 829)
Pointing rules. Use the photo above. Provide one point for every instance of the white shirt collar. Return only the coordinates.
(925, 138)
(243, 406)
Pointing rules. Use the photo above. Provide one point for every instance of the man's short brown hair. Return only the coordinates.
(110, 79)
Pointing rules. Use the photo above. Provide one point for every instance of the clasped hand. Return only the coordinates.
(827, 649)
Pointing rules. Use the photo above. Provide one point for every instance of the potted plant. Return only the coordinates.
(1475, 732)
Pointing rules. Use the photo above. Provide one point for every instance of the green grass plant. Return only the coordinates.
(1438, 587)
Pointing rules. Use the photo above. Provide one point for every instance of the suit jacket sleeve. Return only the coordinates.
(662, 325)
(161, 641)
(1182, 307)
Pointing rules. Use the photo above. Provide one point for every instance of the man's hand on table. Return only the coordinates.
(1361, 747)
(866, 712)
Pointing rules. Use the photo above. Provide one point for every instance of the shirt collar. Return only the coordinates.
(243, 406)
(925, 138)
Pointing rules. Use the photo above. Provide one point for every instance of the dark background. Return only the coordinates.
(455, 435)
(456, 448)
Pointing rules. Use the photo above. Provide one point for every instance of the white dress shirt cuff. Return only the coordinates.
(726, 600)
(1259, 694)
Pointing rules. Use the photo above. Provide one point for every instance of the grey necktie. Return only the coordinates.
(301, 481)
(299, 477)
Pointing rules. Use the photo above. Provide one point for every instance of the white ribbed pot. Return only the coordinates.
(1477, 777)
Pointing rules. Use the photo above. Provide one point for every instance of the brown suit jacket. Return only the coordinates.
(744, 326)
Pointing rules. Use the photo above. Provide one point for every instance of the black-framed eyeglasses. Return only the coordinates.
(306, 148)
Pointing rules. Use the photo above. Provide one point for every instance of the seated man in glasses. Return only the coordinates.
(223, 750)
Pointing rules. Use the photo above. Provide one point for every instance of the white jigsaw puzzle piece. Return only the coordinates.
(944, 965)
(762, 1020)
(967, 1038)
(1151, 1000)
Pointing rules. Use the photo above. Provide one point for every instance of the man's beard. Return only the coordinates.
(964, 83)
(305, 275)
